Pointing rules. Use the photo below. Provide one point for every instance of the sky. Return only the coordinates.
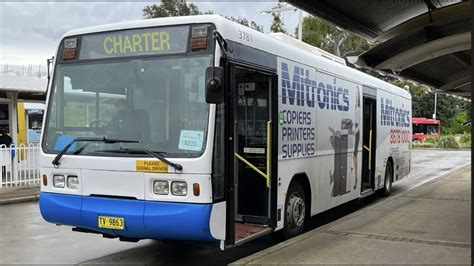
(30, 31)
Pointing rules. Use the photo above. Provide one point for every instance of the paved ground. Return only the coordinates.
(26, 238)
(18, 194)
(430, 224)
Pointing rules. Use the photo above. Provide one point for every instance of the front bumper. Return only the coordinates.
(143, 219)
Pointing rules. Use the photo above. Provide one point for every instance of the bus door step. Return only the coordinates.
(366, 193)
(255, 219)
(245, 232)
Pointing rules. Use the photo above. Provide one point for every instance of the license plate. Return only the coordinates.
(111, 222)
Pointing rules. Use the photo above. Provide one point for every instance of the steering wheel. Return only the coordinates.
(99, 126)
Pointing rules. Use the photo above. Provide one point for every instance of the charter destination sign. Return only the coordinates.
(150, 41)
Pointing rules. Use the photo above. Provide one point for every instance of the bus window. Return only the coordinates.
(80, 108)
(417, 128)
(431, 129)
(35, 119)
(164, 98)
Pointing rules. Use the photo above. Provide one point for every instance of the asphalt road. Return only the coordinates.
(26, 238)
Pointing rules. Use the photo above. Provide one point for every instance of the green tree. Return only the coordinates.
(455, 125)
(172, 8)
(419, 94)
(243, 21)
(327, 36)
(277, 24)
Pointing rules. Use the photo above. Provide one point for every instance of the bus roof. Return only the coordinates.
(233, 31)
(422, 120)
(304, 46)
(145, 23)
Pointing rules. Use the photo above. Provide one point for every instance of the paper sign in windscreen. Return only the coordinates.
(191, 140)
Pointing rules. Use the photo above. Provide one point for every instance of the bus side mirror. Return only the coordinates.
(214, 88)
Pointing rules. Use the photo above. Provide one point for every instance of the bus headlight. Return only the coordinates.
(58, 181)
(73, 182)
(179, 188)
(161, 187)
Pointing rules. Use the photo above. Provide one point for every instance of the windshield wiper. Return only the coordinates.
(156, 154)
(56, 162)
(160, 157)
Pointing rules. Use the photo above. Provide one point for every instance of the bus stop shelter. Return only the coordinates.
(19, 162)
(15, 88)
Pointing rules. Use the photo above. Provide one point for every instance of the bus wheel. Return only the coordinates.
(295, 215)
(387, 188)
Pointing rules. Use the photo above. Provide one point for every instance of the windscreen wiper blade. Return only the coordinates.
(56, 162)
(160, 157)
(157, 155)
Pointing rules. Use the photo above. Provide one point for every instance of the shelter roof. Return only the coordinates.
(424, 41)
(27, 87)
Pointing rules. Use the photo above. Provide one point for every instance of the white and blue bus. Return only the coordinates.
(199, 128)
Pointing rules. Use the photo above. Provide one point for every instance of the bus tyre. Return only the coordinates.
(387, 188)
(295, 211)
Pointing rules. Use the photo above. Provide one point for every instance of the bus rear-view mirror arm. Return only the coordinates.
(49, 64)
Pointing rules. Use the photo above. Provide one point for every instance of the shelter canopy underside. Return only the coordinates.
(426, 41)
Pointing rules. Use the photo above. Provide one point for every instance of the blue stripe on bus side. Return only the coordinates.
(143, 219)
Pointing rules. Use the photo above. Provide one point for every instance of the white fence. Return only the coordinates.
(19, 165)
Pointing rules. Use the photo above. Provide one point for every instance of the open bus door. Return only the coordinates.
(369, 140)
(251, 167)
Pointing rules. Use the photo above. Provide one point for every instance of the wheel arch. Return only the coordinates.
(302, 178)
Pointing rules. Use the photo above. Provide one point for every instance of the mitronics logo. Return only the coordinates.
(393, 116)
(302, 90)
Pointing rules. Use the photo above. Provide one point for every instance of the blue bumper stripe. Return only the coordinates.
(178, 221)
(131, 210)
(143, 219)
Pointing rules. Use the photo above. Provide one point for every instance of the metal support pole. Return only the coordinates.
(435, 100)
(300, 27)
(13, 113)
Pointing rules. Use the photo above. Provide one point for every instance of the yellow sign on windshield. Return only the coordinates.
(151, 166)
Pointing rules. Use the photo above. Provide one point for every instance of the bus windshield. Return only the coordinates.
(158, 101)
